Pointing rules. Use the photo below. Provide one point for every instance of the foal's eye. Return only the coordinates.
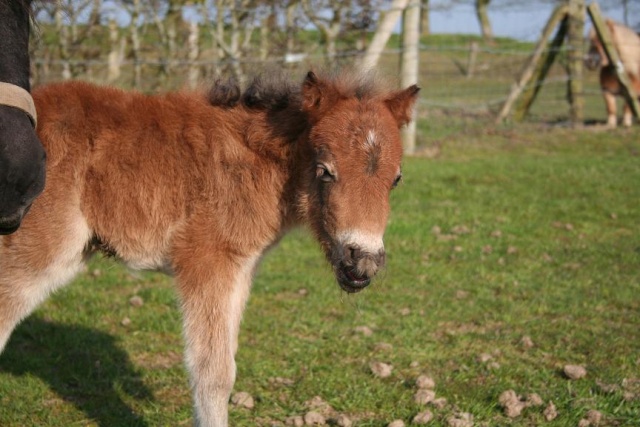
(323, 173)
(397, 181)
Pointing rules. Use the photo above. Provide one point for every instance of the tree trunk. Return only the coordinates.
(410, 64)
(290, 17)
(194, 35)
(268, 25)
(135, 45)
(425, 28)
(380, 38)
(63, 43)
(114, 57)
(483, 18)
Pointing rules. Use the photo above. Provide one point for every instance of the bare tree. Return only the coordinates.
(134, 9)
(67, 16)
(383, 33)
(425, 27)
(483, 18)
(328, 17)
(234, 22)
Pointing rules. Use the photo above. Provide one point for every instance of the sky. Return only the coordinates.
(522, 20)
(519, 19)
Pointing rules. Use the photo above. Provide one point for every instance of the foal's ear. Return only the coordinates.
(317, 95)
(401, 103)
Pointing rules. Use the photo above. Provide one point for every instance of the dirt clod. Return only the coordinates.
(125, 322)
(281, 381)
(424, 381)
(136, 301)
(439, 403)
(313, 418)
(460, 294)
(424, 396)
(462, 419)
(512, 404)
(423, 418)
(550, 412)
(396, 423)
(296, 421)
(242, 399)
(526, 342)
(484, 357)
(343, 421)
(574, 372)
(461, 229)
(380, 369)
(383, 346)
(594, 417)
(534, 399)
(364, 330)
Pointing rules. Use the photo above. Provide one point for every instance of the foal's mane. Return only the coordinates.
(277, 91)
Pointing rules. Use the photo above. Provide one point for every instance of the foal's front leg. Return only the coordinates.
(213, 292)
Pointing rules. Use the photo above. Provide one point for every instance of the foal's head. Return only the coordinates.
(355, 163)
(595, 56)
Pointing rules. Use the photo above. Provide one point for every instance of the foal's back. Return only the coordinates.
(130, 168)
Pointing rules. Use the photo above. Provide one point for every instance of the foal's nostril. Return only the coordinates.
(352, 253)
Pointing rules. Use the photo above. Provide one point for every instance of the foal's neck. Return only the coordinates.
(284, 144)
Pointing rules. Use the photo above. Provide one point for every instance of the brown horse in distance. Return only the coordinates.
(627, 43)
(200, 186)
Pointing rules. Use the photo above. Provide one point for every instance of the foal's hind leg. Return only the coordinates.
(627, 117)
(43, 255)
(213, 290)
(610, 102)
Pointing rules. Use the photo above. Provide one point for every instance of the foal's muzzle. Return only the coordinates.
(22, 167)
(355, 267)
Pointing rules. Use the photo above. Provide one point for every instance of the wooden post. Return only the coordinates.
(612, 54)
(473, 55)
(575, 49)
(540, 73)
(410, 64)
(558, 14)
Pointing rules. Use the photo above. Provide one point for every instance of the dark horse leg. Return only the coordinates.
(22, 158)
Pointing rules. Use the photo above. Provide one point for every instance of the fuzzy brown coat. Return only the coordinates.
(200, 185)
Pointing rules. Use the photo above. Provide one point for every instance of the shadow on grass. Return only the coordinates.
(83, 366)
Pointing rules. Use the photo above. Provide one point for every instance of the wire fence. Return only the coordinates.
(464, 82)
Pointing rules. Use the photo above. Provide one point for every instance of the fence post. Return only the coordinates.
(537, 58)
(473, 55)
(575, 50)
(540, 72)
(410, 64)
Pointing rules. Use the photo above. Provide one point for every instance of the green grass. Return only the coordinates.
(538, 236)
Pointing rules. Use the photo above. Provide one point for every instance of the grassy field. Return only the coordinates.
(512, 253)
